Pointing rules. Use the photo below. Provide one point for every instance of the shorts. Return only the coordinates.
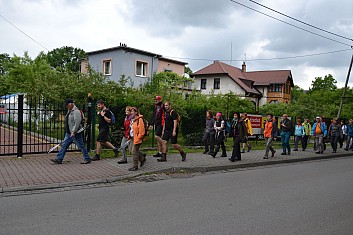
(158, 130)
(103, 136)
(244, 140)
(168, 135)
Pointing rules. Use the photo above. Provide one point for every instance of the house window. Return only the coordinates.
(107, 67)
(141, 69)
(276, 87)
(168, 70)
(217, 83)
(203, 84)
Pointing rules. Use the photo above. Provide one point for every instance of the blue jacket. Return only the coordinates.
(323, 128)
(299, 130)
(350, 130)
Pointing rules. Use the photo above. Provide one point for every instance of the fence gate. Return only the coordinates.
(30, 125)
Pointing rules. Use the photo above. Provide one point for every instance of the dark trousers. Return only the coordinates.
(305, 141)
(220, 143)
(334, 141)
(209, 137)
(296, 142)
(236, 148)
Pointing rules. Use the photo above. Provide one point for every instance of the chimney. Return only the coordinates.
(243, 67)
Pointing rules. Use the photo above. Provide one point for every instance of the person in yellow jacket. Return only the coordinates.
(245, 140)
(137, 133)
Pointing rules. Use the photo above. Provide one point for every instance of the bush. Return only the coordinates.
(193, 139)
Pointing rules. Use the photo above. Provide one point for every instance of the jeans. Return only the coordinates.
(78, 139)
(285, 136)
(209, 136)
(319, 143)
(298, 138)
(269, 147)
(348, 143)
(123, 150)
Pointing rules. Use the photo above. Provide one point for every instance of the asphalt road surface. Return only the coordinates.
(304, 198)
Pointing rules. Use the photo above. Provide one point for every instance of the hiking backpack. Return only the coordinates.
(145, 124)
(178, 118)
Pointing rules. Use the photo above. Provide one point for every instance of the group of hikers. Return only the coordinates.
(165, 122)
(164, 119)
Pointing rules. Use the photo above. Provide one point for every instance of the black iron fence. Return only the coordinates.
(32, 125)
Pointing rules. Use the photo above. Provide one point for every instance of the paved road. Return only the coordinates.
(302, 198)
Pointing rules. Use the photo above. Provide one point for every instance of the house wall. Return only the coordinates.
(170, 66)
(226, 85)
(124, 63)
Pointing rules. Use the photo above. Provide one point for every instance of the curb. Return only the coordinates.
(169, 170)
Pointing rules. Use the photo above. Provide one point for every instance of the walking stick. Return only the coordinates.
(56, 146)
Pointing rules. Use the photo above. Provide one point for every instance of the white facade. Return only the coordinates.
(227, 85)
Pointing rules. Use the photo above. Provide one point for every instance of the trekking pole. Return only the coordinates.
(61, 143)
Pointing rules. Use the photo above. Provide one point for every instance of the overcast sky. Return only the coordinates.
(194, 31)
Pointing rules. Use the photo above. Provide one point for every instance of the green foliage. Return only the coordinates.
(193, 139)
(328, 84)
(65, 58)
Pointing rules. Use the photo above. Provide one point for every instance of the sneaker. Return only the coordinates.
(265, 157)
(157, 155)
(56, 161)
(86, 162)
(283, 153)
(134, 168)
(96, 158)
(122, 161)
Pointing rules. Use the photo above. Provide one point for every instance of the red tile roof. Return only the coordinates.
(256, 78)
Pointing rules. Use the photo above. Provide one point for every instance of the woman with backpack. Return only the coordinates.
(209, 135)
(137, 133)
(219, 127)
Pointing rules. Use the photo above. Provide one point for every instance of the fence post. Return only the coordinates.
(20, 126)
(89, 121)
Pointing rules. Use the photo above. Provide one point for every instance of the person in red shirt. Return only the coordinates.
(126, 137)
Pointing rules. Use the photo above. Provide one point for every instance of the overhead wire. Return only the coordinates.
(307, 24)
(260, 59)
(290, 24)
(23, 32)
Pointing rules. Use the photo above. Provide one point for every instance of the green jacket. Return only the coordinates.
(307, 128)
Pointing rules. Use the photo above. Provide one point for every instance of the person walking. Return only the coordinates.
(73, 122)
(209, 135)
(170, 132)
(219, 127)
(238, 131)
(349, 135)
(126, 136)
(157, 121)
(245, 140)
(335, 133)
(319, 131)
(306, 137)
(270, 134)
(286, 129)
(137, 133)
(105, 118)
(344, 133)
(299, 133)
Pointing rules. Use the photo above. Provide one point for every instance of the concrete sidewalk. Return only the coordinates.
(37, 172)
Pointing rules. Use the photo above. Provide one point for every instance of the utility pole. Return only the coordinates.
(345, 88)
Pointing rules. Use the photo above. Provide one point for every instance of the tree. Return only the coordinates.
(328, 83)
(65, 58)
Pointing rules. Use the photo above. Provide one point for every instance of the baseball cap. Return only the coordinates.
(158, 97)
(69, 101)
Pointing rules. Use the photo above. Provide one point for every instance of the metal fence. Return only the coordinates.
(31, 125)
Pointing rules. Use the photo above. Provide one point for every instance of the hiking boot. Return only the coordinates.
(249, 148)
(96, 158)
(116, 152)
(273, 154)
(224, 155)
(183, 156)
(283, 153)
(134, 168)
(163, 158)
